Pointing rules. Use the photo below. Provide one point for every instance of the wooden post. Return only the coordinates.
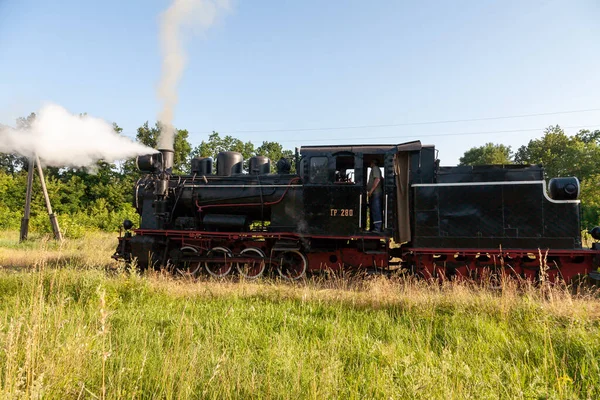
(25, 219)
(53, 220)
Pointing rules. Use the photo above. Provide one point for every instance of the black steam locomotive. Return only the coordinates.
(438, 221)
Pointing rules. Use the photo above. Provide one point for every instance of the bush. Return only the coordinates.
(9, 219)
(73, 225)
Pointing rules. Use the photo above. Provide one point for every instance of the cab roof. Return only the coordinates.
(364, 148)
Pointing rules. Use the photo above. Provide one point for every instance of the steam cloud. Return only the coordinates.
(181, 14)
(62, 139)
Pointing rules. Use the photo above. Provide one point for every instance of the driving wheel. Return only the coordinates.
(219, 265)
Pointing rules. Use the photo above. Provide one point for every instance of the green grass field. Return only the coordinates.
(70, 329)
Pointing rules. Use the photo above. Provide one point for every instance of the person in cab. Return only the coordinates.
(375, 195)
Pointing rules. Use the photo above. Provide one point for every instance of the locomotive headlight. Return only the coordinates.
(127, 224)
(149, 163)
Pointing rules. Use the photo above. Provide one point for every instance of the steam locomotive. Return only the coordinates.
(438, 221)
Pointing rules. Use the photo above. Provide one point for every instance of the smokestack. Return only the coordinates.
(162, 184)
(167, 158)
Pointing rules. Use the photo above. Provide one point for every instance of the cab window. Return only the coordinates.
(344, 169)
(318, 169)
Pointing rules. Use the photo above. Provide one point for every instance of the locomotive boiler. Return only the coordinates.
(438, 221)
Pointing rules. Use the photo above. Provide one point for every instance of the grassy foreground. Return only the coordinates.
(80, 332)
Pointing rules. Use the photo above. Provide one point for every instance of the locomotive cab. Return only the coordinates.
(332, 189)
(335, 187)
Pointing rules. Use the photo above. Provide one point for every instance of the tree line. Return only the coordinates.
(101, 197)
(561, 155)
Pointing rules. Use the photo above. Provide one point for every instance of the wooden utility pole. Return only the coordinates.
(53, 220)
(25, 220)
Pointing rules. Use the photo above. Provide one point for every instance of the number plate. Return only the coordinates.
(341, 212)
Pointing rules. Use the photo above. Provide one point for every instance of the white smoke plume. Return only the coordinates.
(181, 14)
(62, 139)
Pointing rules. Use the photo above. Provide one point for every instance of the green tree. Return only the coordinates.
(217, 144)
(26, 122)
(275, 152)
(564, 155)
(148, 135)
(183, 149)
(13, 163)
(590, 201)
(487, 154)
(588, 136)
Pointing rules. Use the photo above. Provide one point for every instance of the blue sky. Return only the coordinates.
(280, 65)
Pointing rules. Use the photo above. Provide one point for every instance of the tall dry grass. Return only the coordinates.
(78, 332)
(92, 251)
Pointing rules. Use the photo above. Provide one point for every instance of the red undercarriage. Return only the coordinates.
(524, 263)
(346, 252)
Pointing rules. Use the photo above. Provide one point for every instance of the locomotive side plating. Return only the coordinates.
(451, 221)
